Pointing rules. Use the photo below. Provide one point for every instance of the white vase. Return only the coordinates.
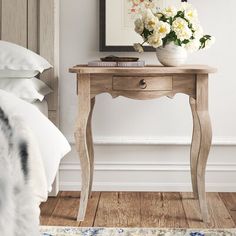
(172, 55)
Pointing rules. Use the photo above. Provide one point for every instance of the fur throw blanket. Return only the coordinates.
(19, 211)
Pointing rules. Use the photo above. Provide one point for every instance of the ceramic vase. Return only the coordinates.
(171, 55)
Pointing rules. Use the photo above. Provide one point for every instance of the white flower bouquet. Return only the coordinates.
(179, 26)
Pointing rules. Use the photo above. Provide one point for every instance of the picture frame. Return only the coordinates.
(109, 39)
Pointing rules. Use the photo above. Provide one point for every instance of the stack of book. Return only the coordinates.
(112, 61)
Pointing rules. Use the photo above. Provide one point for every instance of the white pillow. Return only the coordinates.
(18, 73)
(17, 61)
(29, 90)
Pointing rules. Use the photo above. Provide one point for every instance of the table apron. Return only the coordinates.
(158, 85)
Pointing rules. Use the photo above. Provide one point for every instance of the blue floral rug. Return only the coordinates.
(62, 231)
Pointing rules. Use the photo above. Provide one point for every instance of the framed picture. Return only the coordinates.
(117, 22)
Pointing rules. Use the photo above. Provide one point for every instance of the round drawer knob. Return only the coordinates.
(143, 84)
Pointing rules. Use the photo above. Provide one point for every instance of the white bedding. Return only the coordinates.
(52, 144)
(42, 106)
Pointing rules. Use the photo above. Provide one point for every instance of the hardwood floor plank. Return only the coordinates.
(218, 212)
(219, 215)
(120, 209)
(162, 210)
(129, 209)
(107, 213)
(229, 200)
(192, 211)
(66, 210)
(47, 209)
(173, 214)
(91, 210)
(63, 210)
(150, 209)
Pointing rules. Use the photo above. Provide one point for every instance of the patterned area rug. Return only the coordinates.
(61, 231)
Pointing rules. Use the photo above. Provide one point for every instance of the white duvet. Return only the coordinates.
(52, 145)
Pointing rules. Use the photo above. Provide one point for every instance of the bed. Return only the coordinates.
(42, 106)
(38, 22)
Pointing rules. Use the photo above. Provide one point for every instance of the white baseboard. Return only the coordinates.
(112, 171)
(156, 140)
(151, 164)
(142, 166)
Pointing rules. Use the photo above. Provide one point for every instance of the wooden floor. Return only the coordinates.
(133, 209)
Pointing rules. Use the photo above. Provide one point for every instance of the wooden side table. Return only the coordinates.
(144, 83)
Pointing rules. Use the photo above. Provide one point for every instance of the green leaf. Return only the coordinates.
(180, 14)
(185, 41)
(178, 42)
(146, 33)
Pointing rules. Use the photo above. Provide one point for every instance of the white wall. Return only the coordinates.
(144, 145)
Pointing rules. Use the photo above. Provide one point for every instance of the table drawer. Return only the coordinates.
(126, 83)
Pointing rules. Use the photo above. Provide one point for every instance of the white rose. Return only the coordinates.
(162, 29)
(139, 26)
(193, 45)
(191, 15)
(155, 41)
(169, 12)
(180, 27)
(138, 47)
(179, 24)
(150, 21)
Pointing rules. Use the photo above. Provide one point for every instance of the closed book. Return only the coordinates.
(116, 64)
(131, 64)
(102, 64)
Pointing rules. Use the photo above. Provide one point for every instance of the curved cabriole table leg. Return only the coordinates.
(205, 140)
(81, 141)
(89, 135)
(205, 144)
(194, 146)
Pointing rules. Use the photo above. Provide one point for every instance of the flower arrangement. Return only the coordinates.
(179, 26)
